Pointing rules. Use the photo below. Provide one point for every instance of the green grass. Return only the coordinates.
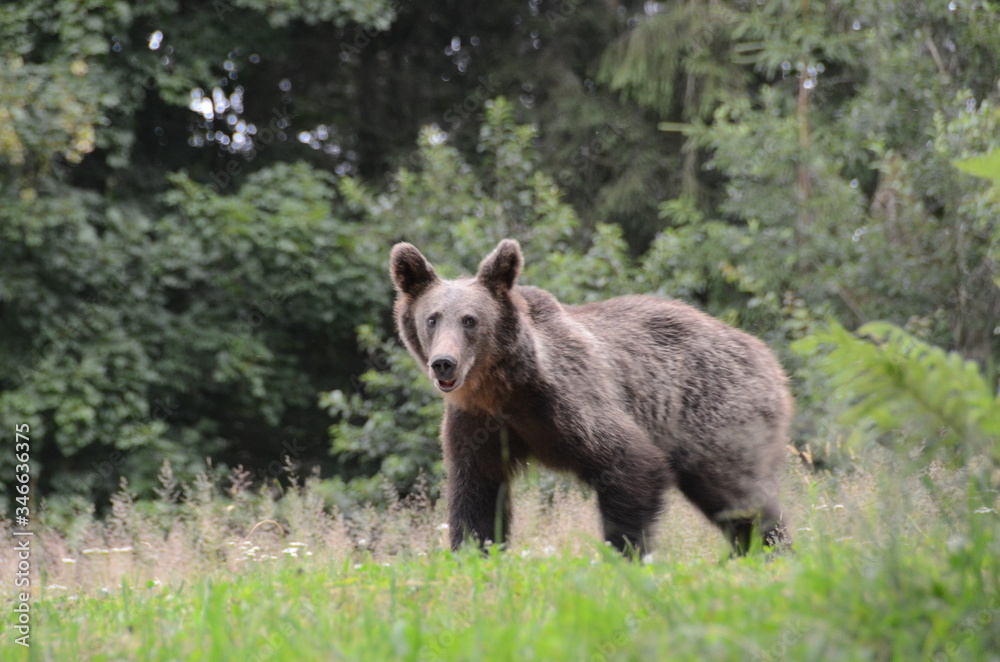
(827, 601)
(885, 568)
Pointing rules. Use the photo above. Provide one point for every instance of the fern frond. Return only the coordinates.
(895, 380)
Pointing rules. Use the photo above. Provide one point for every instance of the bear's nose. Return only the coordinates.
(444, 367)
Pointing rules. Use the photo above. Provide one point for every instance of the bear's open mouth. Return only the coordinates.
(446, 384)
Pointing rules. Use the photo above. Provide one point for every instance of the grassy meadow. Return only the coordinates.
(889, 564)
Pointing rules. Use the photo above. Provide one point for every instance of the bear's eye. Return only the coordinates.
(432, 321)
(469, 322)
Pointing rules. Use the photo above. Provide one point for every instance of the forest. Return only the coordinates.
(199, 200)
(218, 447)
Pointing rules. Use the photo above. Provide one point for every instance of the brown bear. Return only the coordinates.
(633, 395)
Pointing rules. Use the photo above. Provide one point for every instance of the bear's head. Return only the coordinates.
(456, 329)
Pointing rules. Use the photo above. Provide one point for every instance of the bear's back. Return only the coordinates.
(673, 366)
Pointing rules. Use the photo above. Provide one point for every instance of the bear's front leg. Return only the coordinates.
(477, 509)
(480, 455)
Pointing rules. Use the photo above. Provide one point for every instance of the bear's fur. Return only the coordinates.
(633, 395)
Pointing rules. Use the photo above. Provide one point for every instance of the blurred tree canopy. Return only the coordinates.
(197, 201)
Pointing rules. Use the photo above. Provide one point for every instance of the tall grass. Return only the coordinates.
(888, 564)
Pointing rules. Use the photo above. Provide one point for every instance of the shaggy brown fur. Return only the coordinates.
(633, 395)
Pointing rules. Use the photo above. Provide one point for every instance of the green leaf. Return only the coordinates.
(986, 166)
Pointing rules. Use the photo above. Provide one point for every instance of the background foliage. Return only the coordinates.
(197, 201)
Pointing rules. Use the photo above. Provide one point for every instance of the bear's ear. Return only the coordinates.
(411, 272)
(499, 270)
